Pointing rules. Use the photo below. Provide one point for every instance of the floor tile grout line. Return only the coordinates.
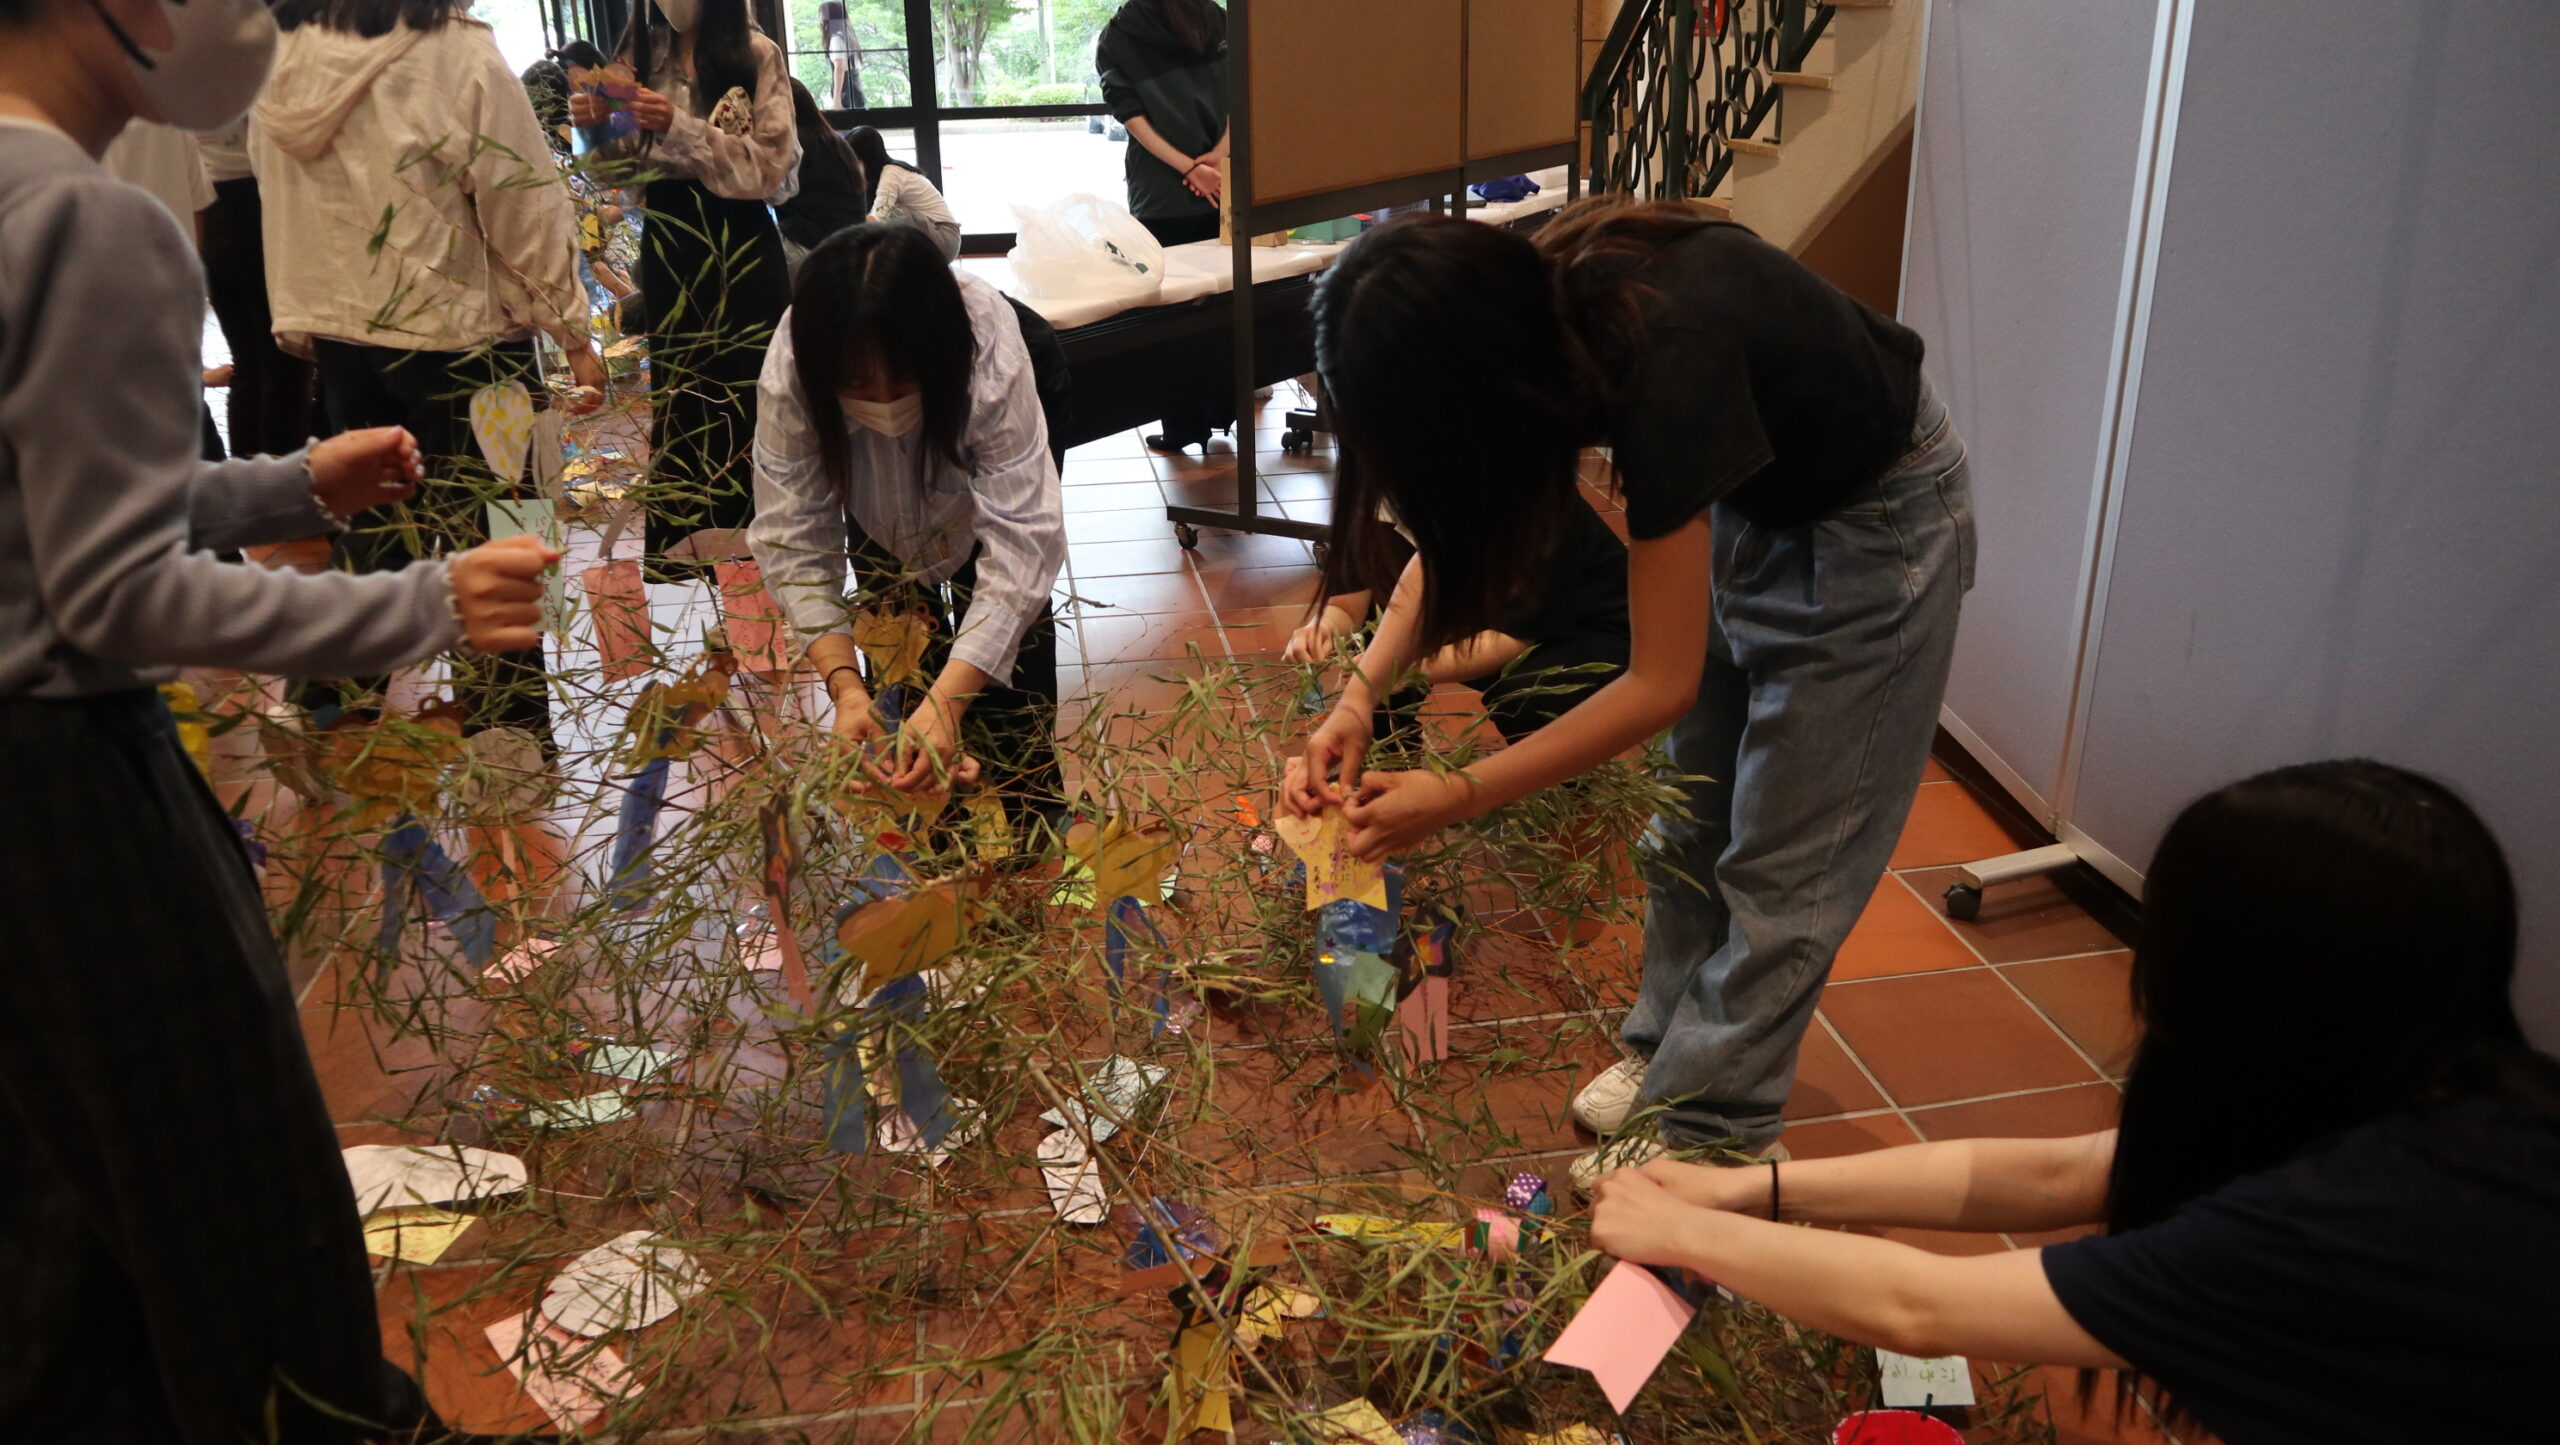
(1864, 1072)
(2010, 984)
(2084, 1055)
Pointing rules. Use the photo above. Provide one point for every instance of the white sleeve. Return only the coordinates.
(1022, 528)
(798, 535)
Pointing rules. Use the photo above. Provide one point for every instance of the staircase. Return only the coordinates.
(1771, 112)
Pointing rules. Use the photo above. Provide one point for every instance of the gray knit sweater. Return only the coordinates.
(108, 521)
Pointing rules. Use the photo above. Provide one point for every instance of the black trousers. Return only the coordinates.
(429, 392)
(1211, 403)
(1011, 729)
(179, 1248)
(270, 401)
(712, 273)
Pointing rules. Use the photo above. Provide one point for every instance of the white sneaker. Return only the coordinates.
(1604, 1104)
(1637, 1152)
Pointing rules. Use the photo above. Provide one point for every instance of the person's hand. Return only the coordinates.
(1392, 812)
(1709, 1186)
(355, 470)
(497, 592)
(588, 369)
(586, 108)
(655, 113)
(856, 720)
(217, 376)
(1315, 637)
(1636, 1219)
(1329, 770)
(923, 755)
(1204, 179)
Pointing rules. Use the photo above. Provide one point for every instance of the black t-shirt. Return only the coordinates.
(1759, 384)
(2399, 1282)
(1582, 585)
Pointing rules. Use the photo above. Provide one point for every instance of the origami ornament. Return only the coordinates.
(502, 422)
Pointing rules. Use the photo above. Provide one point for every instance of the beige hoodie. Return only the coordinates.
(410, 199)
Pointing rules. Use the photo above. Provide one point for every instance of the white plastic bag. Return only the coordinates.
(1086, 247)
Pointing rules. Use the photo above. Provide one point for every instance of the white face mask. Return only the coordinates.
(889, 418)
(681, 13)
(218, 55)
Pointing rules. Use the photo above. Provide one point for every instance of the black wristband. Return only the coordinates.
(840, 667)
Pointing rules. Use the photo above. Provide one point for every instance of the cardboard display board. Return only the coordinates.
(1352, 92)
(1524, 61)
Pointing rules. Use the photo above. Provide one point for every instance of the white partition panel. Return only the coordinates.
(2339, 529)
(2026, 159)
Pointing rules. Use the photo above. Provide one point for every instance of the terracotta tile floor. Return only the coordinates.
(2014, 1023)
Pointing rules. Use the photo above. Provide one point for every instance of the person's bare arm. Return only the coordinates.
(1669, 593)
(1870, 1291)
(1328, 771)
(1962, 1184)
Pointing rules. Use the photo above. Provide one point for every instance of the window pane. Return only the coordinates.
(988, 166)
(850, 53)
(1018, 52)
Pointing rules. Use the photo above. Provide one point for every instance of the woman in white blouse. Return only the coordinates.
(898, 425)
(716, 142)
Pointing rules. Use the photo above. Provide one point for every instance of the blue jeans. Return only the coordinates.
(1826, 663)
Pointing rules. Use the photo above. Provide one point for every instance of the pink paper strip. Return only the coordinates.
(1625, 1328)
(573, 1380)
(621, 611)
(755, 622)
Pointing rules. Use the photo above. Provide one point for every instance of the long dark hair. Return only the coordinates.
(371, 19)
(722, 58)
(1597, 246)
(872, 149)
(1461, 401)
(1188, 21)
(816, 134)
(2320, 945)
(880, 296)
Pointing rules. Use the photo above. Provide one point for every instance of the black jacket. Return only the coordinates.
(1182, 93)
(832, 195)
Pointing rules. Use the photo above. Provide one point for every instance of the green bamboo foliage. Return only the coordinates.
(841, 1290)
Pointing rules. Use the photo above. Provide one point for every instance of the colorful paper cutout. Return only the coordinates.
(1354, 1422)
(1622, 1332)
(758, 629)
(548, 453)
(893, 646)
(415, 1233)
(1196, 1386)
(1921, 1383)
(1074, 1179)
(896, 937)
(584, 1112)
(538, 517)
(1423, 1015)
(1123, 860)
(626, 1282)
(502, 422)
(1114, 1094)
(392, 1176)
(1373, 1229)
(620, 607)
(572, 1380)
(1323, 844)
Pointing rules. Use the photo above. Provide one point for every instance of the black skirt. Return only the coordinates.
(712, 273)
